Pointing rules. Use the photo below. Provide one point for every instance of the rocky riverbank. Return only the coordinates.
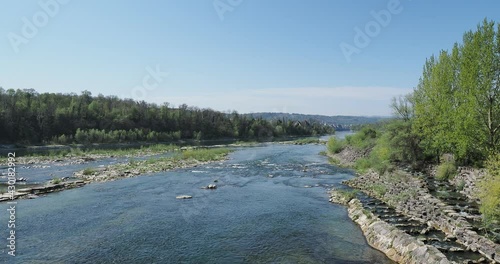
(396, 244)
(119, 171)
(34, 191)
(409, 195)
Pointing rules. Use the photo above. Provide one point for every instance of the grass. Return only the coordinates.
(334, 161)
(367, 213)
(402, 196)
(461, 186)
(89, 171)
(205, 154)
(305, 141)
(348, 194)
(446, 171)
(182, 159)
(378, 189)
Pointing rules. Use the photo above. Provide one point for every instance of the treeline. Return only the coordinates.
(338, 122)
(455, 109)
(31, 118)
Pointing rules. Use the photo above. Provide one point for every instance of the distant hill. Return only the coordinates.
(339, 122)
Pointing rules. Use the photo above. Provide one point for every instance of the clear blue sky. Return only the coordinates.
(279, 55)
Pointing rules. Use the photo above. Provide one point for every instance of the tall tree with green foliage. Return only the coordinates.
(457, 101)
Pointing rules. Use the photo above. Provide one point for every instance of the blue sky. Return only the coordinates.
(279, 55)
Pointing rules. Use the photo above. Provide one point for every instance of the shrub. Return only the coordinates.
(461, 185)
(363, 139)
(374, 162)
(446, 171)
(490, 191)
(334, 145)
(333, 161)
(56, 181)
(379, 189)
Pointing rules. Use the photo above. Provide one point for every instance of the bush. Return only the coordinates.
(334, 145)
(374, 162)
(56, 181)
(362, 165)
(363, 139)
(445, 171)
(490, 191)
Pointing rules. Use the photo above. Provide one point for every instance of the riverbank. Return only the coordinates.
(185, 159)
(410, 195)
(396, 244)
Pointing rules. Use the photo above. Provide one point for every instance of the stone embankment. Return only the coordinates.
(466, 181)
(409, 195)
(396, 244)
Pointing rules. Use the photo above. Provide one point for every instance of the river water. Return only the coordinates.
(271, 206)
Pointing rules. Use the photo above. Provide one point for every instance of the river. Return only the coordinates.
(271, 206)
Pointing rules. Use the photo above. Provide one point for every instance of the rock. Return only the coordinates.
(210, 186)
(183, 197)
(455, 249)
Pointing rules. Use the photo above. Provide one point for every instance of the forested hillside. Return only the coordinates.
(339, 122)
(29, 117)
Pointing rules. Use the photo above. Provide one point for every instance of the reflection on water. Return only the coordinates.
(271, 206)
